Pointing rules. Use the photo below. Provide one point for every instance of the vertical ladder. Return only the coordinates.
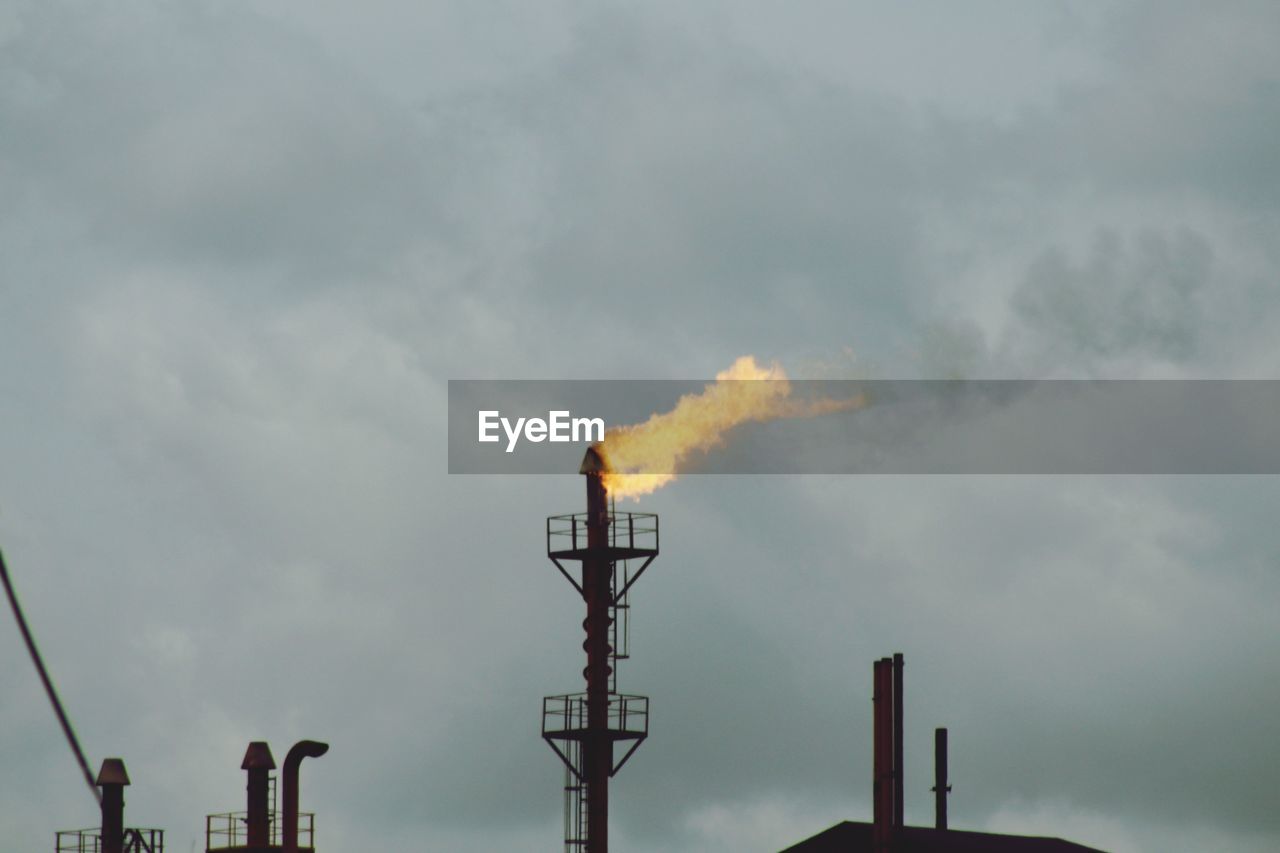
(575, 802)
(273, 825)
(620, 609)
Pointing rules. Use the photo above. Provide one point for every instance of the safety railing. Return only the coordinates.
(231, 829)
(632, 531)
(628, 715)
(90, 841)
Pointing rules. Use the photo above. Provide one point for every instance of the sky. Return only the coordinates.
(244, 246)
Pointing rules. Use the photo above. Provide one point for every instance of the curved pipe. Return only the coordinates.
(300, 750)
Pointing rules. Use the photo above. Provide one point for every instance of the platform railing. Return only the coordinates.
(231, 829)
(568, 713)
(90, 841)
(630, 530)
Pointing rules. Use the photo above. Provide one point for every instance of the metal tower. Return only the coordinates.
(613, 549)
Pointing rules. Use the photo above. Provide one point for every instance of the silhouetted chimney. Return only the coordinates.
(111, 779)
(887, 789)
(259, 763)
(940, 786)
(882, 756)
(897, 740)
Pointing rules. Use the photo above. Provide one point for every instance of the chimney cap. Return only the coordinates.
(112, 773)
(258, 757)
(591, 462)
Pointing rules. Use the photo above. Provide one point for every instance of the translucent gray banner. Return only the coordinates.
(897, 427)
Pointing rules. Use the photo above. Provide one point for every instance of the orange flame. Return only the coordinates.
(641, 458)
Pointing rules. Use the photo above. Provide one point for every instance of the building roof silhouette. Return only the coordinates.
(855, 837)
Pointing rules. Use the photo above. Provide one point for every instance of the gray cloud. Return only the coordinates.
(242, 251)
(1142, 297)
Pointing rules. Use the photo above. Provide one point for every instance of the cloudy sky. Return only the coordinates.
(243, 247)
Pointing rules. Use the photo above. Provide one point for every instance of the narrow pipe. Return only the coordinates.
(300, 750)
(940, 786)
(897, 740)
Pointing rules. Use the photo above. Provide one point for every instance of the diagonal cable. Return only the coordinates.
(48, 684)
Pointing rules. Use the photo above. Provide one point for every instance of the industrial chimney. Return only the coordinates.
(112, 779)
(613, 550)
(111, 835)
(260, 828)
(886, 788)
(258, 763)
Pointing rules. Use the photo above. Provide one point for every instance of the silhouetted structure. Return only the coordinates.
(940, 786)
(258, 828)
(886, 788)
(856, 837)
(614, 549)
(888, 833)
(112, 836)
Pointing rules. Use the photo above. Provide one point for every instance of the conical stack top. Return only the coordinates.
(113, 772)
(258, 757)
(592, 463)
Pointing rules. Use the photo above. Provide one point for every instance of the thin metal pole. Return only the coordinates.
(940, 786)
(897, 741)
